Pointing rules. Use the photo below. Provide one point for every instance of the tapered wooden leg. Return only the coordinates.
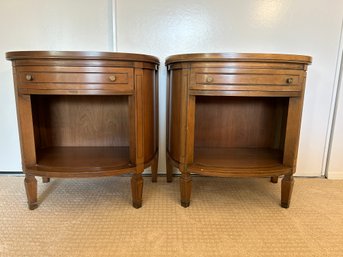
(185, 189)
(31, 191)
(137, 190)
(169, 171)
(286, 190)
(45, 179)
(274, 179)
(154, 166)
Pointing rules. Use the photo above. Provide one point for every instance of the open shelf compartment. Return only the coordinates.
(240, 134)
(81, 133)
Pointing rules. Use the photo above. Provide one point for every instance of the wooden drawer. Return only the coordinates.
(243, 79)
(276, 81)
(71, 78)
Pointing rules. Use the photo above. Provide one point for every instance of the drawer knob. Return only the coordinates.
(29, 77)
(209, 79)
(289, 80)
(112, 78)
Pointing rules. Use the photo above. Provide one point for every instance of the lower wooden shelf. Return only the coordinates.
(81, 161)
(238, 162)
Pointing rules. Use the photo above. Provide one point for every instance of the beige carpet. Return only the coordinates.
(227, 217)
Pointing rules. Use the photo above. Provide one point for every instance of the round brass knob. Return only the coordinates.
(112, 78)
(209, 79)
(289, 80)
(29, 77)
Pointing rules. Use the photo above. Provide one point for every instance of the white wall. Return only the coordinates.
(335, 158)
(163, 28)
(43, 25)
(310, 27)
(335, 165)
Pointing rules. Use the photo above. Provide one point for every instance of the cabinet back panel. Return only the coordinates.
(240, 122)
(62, 120)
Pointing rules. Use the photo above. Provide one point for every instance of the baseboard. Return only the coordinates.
(335, 175)
(11, 173)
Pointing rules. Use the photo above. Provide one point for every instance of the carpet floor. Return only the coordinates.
(227, 217)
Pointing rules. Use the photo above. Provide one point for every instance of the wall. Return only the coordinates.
(163, 28)
(43, 25)
(309, 27)
(335, 163)
(335, 153)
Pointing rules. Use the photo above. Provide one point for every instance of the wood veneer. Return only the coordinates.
(86, 114)
(234, 115)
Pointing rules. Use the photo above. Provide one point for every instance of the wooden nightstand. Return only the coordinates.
(86, 114)
(234, 115)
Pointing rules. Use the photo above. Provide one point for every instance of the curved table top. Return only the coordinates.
(81, 55)
(239, 57)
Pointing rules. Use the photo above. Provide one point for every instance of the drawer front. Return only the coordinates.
(247, 81)
(116, 80)
(239, 79)
(77, 78)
